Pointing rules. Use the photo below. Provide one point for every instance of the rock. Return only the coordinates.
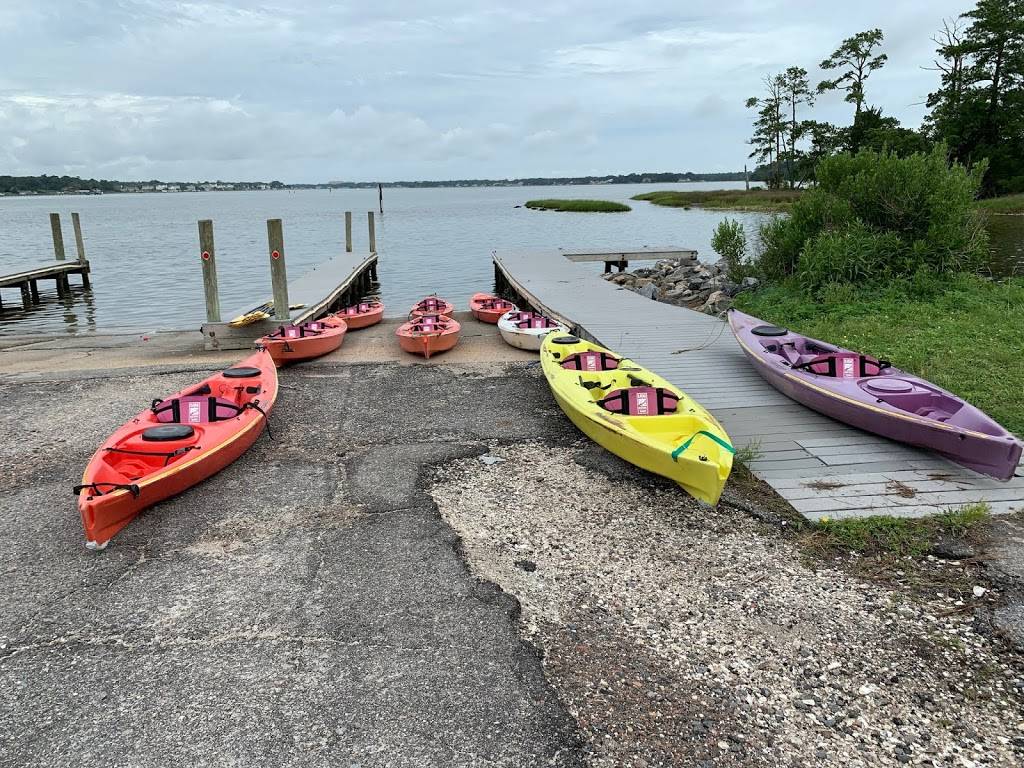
(680, 273)
(750, 282)
(952, 549)
(730, 288)
(527, 565)
(716, 304)
(979, 591)
(649, 290)
(488, 459)
(622, 278)
(643, 281)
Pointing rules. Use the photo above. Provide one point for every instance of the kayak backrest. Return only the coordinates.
(195, 409)
(843, 365)
(640, 401)
(591, 361)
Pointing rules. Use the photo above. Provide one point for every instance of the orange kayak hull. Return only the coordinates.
(488, 308)
(295, 343)
(130, 473)
(428, 335)
(361, 315)
(431, 305)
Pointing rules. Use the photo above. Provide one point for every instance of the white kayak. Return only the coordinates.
(526, 330)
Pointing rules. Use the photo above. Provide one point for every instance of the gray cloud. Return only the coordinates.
(302, 90)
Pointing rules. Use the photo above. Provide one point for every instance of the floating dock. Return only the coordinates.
(336, 282)
(822, 467)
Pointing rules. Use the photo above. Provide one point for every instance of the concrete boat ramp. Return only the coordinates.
(822, 467)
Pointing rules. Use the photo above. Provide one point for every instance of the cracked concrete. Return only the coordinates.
(306, 606)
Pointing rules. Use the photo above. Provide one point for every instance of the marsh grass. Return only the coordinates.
(587, 206)
(772, 200)
(1009, 204)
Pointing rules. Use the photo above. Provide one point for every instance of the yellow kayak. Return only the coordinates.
(637, 415)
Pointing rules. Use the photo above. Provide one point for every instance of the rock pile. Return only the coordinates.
(684, 282)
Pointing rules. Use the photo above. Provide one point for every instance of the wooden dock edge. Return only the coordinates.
(221, 336)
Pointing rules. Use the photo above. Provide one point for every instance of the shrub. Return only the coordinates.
(730, 242)
(874, 215)
(852, 254)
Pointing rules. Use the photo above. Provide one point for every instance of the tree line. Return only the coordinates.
(976, 112)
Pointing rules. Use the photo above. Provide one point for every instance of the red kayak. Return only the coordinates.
(428, 334)
(293, 343)
(431, 305)
(361, 315)
(488, 308)
(174, 444)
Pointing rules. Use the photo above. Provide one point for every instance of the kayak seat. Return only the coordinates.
(591, 361)
(532, 320)
(843, 365)
(640, 401)
(167, 432)
(296, 331)
(194, 409)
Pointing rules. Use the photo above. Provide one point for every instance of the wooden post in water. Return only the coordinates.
(278, 274)
(58, 236)
(373, 232)
(348, 231)
(208, 256)
(79, 243)
(380, 197)
(746, 177)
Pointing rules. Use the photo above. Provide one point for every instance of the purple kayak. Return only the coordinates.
(872, 395)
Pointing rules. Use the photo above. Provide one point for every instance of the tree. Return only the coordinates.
(855, 61)
(795, 90)
(769, 127)
(872, 130)
(979, 109)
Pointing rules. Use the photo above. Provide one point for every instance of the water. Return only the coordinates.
(144, 248)
(1006, 239)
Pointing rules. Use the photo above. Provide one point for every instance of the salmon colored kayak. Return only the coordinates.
(361, 315)
(174, 444)
(428, 334)
(431, 305)
(488, 308)
(293, 343)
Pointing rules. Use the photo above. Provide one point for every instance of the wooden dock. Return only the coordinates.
(28, 280)
(822, 467)
(337, 282)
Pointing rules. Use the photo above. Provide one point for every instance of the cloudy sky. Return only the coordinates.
(311, 90)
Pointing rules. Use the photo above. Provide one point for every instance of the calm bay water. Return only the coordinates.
(144, 248)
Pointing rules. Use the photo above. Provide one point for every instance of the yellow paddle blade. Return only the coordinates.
(249, 318)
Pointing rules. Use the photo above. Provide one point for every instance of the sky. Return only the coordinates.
(385, 90)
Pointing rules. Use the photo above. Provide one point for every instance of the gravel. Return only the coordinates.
(680, 635)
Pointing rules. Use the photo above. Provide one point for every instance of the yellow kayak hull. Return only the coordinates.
(688, 446)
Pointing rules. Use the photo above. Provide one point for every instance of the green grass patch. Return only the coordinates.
(589, 206)
(962, 332)
(896, 536)
(772, 200)
(1006, 204)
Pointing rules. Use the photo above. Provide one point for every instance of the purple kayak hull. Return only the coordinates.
(891, 403)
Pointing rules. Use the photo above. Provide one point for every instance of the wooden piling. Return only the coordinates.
(380, 197)
(79, 242)
(208, 256)
(58, 236)
(26, 296)
(278, 274)
(373, 232)
(348, 231)
(33, 286)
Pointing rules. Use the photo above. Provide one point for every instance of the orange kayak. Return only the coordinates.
(428, 334)
(488, 308)
(174, 444)
(292, 343)
(431, 305)
(361, 315)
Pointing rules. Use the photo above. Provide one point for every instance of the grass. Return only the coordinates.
(590, 206)
(1006, 204)
(962, 332)
(771, 200)
(894, 536)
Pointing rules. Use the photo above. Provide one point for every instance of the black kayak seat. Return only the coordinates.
(168, 432)
(565, 340)
(769, 330)
(242, 372)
